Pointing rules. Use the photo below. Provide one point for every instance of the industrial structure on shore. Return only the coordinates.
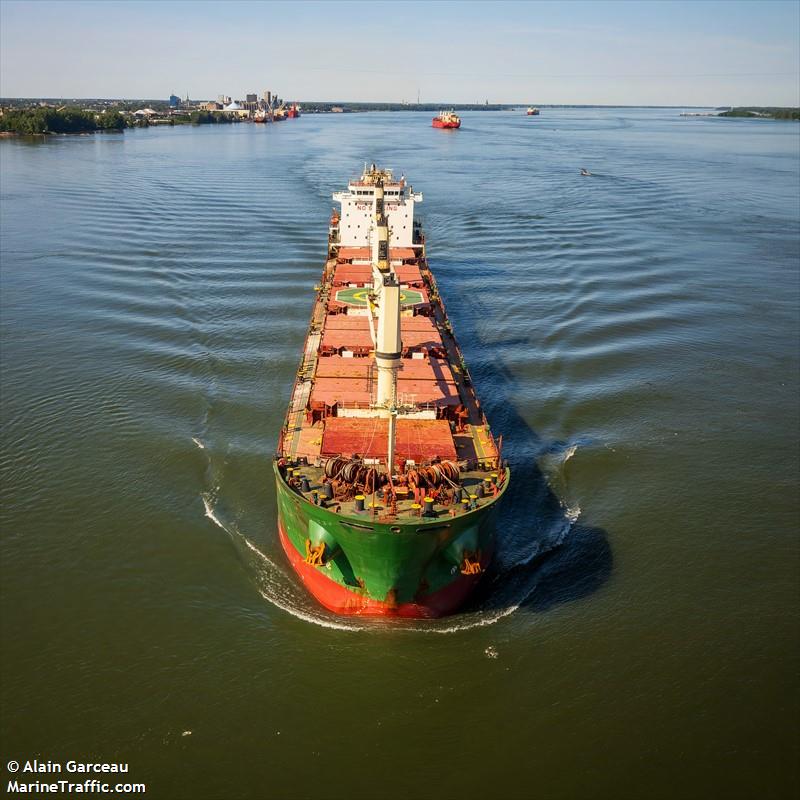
(267, 108)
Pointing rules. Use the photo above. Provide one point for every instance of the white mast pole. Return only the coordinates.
(388, 345)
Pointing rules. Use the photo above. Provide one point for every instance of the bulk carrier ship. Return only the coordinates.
(388, 475)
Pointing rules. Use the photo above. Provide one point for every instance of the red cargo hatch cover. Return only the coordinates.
(352, 273)
(395, 253)
(411, 369)
(355, 392)
(361, 341)
(416, 439)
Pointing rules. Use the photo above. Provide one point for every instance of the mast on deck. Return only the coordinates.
(388, 346)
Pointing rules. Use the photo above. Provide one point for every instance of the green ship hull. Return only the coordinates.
(408, 566)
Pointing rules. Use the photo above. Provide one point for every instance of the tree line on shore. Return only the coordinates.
(763, 111)
(62, 120)
(28, 121)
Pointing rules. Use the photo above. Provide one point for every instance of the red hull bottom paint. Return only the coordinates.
(343, 601)
(437, 124)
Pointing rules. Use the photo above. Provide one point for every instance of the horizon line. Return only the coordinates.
(411, 106)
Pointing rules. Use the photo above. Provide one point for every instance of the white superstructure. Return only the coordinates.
(358, 209)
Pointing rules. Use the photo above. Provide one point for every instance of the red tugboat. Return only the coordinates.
(447, 119)
(293, 112)
(388, 475)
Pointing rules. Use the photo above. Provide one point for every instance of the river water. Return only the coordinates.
(634, 337)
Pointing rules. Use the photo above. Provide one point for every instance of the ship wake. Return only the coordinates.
(507, 586)
(520, 562)
(274, 583)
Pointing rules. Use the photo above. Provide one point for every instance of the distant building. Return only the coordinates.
(174, 101)
(267, 97)
(234, 109)
(211, 106)
(251, 98)
(224, 100)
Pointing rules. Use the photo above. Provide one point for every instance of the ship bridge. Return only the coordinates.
(358, 209)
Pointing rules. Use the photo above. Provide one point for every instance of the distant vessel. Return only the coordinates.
(585, 172)
(293, 111)
(447, 119)
(388, 475)
(532, 111)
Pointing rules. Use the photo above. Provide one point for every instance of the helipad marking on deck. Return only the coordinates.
(358, 297)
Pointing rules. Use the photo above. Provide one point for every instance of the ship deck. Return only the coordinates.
(405, 509)
(332, 407)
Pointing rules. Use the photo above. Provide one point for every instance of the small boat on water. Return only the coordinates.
(532, 111)
(585, 172)
(447, 119)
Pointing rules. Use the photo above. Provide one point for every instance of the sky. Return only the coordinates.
(639, 52)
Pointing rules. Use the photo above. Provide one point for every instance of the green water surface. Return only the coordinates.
(633, 336)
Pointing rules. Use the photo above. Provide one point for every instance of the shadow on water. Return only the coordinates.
(545, 556)
(577, 569)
